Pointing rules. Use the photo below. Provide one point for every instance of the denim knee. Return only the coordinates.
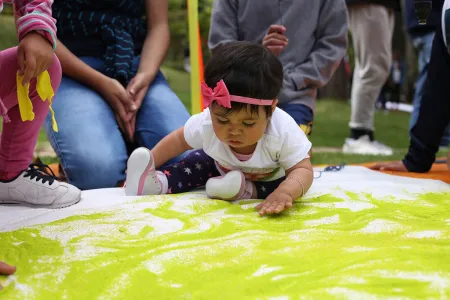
(95, 172)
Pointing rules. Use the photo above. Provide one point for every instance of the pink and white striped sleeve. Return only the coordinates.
(35, 15)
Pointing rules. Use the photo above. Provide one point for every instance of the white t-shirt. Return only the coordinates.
(282, 146)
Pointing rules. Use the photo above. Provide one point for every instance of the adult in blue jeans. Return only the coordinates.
(113, 96)
(422, 38)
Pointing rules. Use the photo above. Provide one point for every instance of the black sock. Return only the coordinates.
(356, 133)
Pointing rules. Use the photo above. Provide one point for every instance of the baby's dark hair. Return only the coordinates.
(248, 70)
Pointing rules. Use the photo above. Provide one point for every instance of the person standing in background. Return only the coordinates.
(422, 38)
(434, 111)
(309, 37)
(371, 23)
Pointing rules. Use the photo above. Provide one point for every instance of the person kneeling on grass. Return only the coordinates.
(250, 149)
(434, 111)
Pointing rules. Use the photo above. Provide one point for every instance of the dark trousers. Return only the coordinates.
(434, 113)
(195, 170)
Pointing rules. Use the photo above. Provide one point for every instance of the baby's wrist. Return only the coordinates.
(284, 191)
(299, 182)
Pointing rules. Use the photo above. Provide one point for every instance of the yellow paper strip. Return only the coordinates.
(194, 55)
(25, 104)
(45, 91)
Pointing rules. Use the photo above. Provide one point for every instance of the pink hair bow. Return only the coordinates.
(219, 94)
(223, 97)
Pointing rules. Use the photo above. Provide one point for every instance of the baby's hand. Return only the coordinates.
(275, 203)
(6, 269)
(34, 56)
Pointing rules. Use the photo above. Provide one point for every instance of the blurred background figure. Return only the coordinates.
(422, 38)
(371, 24)
(309, 37)
(434, 111)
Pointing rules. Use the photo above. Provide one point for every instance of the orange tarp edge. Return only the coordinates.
(438, 172)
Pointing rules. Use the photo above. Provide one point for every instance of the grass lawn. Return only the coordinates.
(330, 125)
(8, 37)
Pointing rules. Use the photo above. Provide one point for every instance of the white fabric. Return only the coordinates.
(351, 179)
(282, 146)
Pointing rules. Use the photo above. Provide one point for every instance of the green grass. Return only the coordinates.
(330, 124)
(8, 37)
(179, 81)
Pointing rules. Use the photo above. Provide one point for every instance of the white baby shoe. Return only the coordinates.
(142, 178)
(228, 187)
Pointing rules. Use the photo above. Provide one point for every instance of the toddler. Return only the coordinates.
(24, 108)
(247, 147)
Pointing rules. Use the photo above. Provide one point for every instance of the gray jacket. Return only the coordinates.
(316, 29)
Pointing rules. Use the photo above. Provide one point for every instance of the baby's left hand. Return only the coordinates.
(34, 56)
(275, 203)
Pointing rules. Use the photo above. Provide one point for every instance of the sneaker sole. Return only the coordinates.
(137, 171)
(361, 152)
(50, 206)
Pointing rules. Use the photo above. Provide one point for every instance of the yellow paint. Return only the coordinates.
(45, 91)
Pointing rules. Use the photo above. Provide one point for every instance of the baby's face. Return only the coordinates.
(242, 130)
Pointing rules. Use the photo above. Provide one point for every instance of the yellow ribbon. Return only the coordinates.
(45, 91)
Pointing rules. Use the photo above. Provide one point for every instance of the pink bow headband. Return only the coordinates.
(223, 97)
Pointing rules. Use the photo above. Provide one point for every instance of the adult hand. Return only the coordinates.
(34, 56)
(121, 102)
(137, 89)
(275, 40)
(397, 166)
(138, 86)
(6, 269)
(275, 203)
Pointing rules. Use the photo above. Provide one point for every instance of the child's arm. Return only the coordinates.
(35, 15)
(169, 147)
(37, 36)
(298, 180)
(301, 172)
(188, 137)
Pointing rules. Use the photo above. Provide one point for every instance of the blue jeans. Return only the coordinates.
(423, 45)
(90, 145)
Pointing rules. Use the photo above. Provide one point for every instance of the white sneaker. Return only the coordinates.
(228, 187)
(36, 187)
(365, 146)
(142, 178)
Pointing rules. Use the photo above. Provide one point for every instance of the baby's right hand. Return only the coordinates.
(275, 40)
(6, 269)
